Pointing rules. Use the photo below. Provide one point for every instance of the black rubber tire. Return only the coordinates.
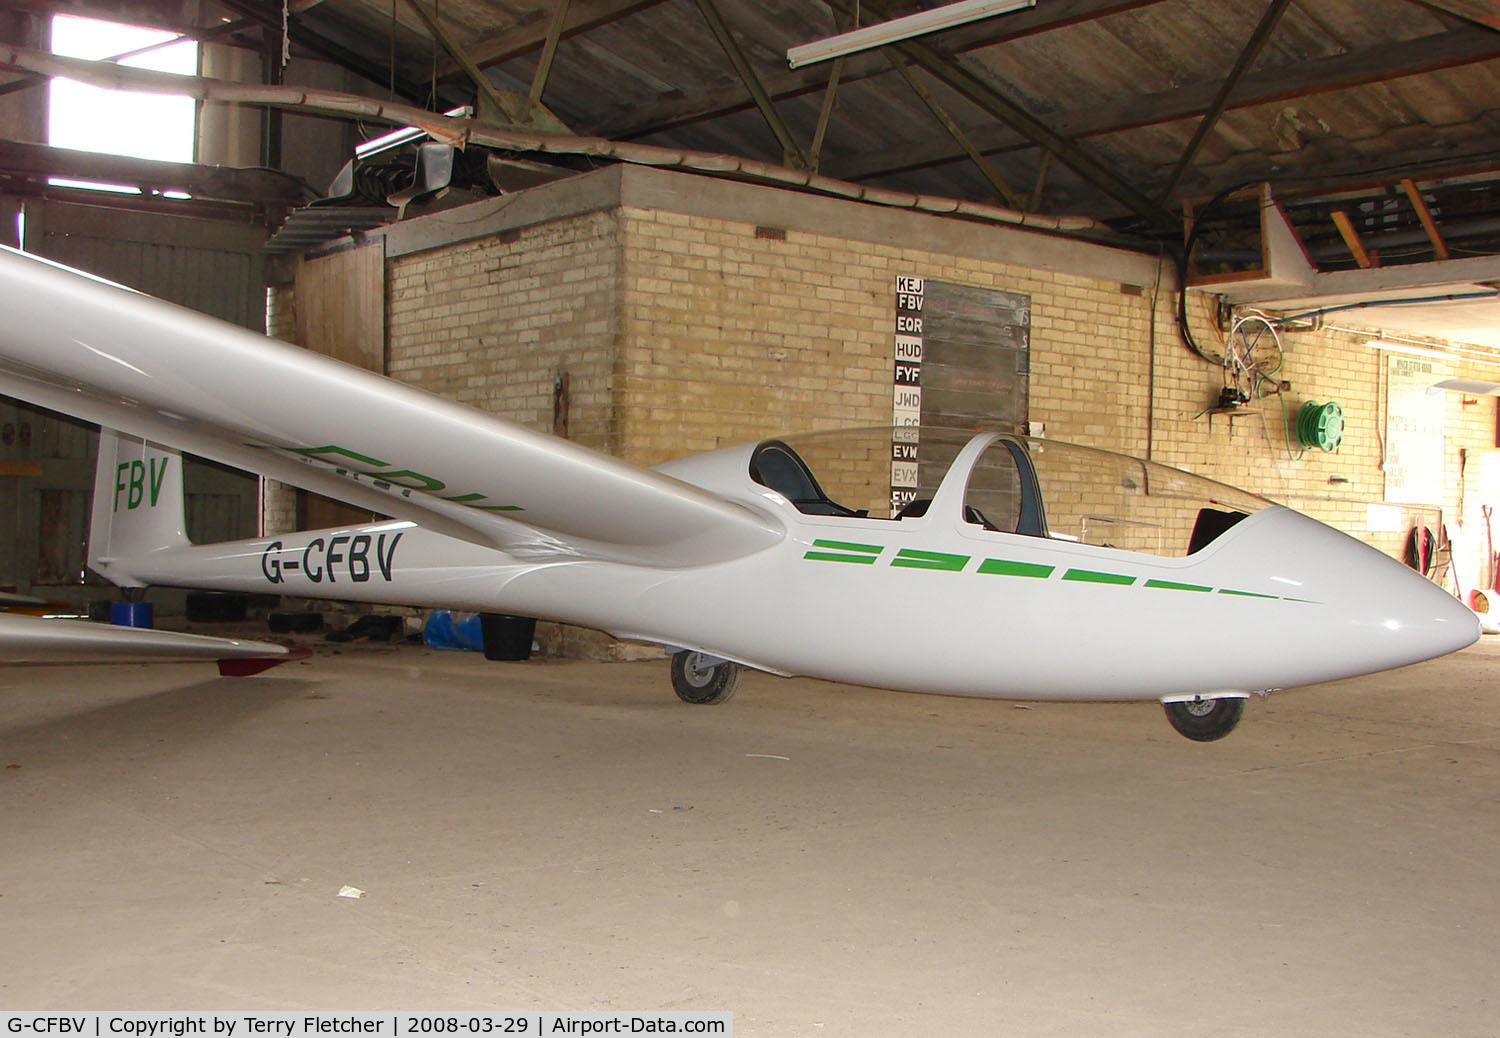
(703, 686)
(1206, 719)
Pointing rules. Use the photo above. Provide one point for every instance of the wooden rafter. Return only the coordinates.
(330, 49)
(1424, 214)
(1357, 249)
(825, 113)
(216, 32)
(36, 163)
(311, 101)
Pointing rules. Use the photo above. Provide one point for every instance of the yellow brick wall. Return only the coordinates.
(493, 322)
(740, 336)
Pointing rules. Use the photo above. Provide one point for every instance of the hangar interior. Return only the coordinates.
(1252, 241)
(656, 238)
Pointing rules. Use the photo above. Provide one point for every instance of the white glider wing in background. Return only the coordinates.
(161, 372)
(35, 639)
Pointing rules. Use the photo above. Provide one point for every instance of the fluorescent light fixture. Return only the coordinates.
(93, 185)
(1414, 351)
(1455, 354)
(897, 29)
(401, 136)
(1466, 386)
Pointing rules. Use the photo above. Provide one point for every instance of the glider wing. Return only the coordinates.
(34, 639)
(107, 354)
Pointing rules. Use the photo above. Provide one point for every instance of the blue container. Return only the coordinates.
(130, 614)
(449, 630)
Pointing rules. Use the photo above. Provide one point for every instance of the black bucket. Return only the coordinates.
(507, 637)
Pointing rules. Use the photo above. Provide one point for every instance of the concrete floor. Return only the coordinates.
(819, 859)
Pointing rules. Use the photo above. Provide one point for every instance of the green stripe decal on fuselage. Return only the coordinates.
(914, 558)
(911, 558)
(1173, 586)
(1090, 576)
(1007, 568)
(845, 551)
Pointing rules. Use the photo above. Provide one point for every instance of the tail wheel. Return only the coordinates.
(1204, 720)
(702, 679)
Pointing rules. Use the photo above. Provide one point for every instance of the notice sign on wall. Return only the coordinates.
(906, 390)
(1414, 420)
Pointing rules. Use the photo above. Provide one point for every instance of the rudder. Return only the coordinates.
(138, 505)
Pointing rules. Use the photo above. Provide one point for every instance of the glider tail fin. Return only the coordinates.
(138, 505)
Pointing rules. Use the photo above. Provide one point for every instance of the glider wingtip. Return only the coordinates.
(248, 666)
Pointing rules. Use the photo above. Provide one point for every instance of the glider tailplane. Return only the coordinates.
(138, 506)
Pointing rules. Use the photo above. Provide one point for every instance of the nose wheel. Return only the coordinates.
(702, 679)
(1204, 720)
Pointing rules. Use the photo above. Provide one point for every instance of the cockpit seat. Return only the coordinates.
(777, 466)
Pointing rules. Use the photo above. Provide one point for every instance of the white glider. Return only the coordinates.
(1023, 569)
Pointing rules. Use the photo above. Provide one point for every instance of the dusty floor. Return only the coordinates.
(822, 860)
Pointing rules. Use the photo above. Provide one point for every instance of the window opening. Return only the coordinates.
(121, 122)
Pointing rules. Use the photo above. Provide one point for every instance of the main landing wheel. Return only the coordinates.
(1204, 720)
(700, 678)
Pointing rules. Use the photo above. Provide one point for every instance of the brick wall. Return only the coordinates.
(495, 322)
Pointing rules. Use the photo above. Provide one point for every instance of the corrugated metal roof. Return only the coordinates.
(1343, 90)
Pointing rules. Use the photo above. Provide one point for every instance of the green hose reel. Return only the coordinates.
(1320, 425)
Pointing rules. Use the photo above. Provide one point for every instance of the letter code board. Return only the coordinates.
(962, 361)
(906, 395)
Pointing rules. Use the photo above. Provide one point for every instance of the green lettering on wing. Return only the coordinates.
(361, 466)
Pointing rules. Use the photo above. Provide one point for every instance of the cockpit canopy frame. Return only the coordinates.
(1000, 483)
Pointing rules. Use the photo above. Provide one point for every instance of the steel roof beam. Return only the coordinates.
(549, 51)
(947, 69)
(792, 152)
(1481, 12)
(583, 15)
(1251, 51)
(1379, 63)
(504, 106)
(638, 122)
(1006, 195)
(39, 162)
(334, 51)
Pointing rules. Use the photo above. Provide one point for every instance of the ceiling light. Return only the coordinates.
(1466, 386)
(1415, 351)
(903, 28)
(401, 136)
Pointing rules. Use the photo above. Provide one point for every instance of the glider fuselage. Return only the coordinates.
(932, 603)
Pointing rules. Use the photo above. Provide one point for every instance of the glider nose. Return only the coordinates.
(1412, 612)
(1384, 614)
(1350, 609)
